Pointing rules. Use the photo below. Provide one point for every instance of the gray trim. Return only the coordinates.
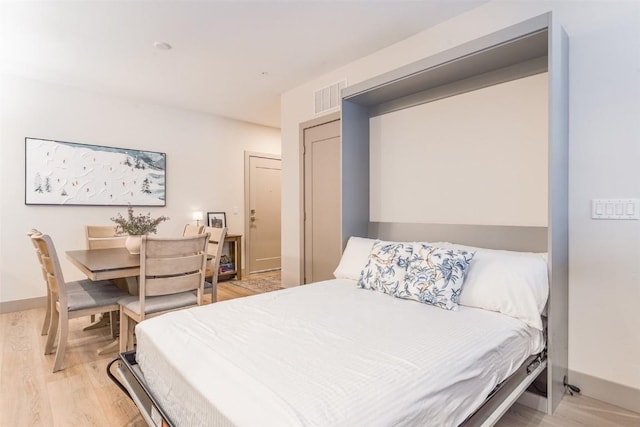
(503, 48)
(557, 308)
(506, 395)
(22, 304)
(517, 48)
(607, 391)
(528, 239)
(502, 75)
(355, 170)
(533, 401)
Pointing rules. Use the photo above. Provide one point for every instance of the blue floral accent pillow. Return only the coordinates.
(386, 268)
(435, 276)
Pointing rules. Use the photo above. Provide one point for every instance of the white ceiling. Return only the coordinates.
(220, 48)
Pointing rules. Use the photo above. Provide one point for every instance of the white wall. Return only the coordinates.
(604, 289)
(205, 167)
(496, 161)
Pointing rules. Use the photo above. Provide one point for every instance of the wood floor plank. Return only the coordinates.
(590, 412)
(119, 408)
(573, 411)
(75, 403)
(227, 291)
(24, 400)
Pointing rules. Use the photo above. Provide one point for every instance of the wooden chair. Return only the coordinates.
(47, 316)
(103, 237)
(171, 278)
(216, 243)
(192, 230)
(70, 300)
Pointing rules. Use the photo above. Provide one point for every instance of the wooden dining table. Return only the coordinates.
(108, 264)
(115, 264)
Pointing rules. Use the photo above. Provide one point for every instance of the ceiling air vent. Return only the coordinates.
(328, 98)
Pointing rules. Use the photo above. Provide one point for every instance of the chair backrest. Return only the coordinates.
(216, 243)
(192, 230)
(51, 267)
(172, 265)
(30, 234)
(103, 237)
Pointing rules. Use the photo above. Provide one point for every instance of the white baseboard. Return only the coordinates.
(616, 394)
(23, 304)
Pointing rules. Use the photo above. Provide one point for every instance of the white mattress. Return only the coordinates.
(328, 354)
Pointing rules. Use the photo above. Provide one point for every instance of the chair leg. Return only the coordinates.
(51, 334)
(131, 337)
(214, 293)
(47, 316)
(124, 329)
(63, 327)
(113, 319)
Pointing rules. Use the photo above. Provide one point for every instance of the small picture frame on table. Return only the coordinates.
(216, 219)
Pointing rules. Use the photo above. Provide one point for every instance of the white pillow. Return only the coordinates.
(435, 275)
(386, 269)
(354, 258)
(509, 282)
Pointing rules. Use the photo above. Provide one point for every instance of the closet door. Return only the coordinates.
(322, 216)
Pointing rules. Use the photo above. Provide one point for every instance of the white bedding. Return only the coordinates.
(328, 354)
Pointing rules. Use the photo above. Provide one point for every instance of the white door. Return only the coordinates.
(263, 215)
(322, 201)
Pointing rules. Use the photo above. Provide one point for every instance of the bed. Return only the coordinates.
(333, 353)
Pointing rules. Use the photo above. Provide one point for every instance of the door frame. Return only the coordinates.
(247, 201)
(318, 121)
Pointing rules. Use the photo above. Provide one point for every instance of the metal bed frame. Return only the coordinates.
(132, 382)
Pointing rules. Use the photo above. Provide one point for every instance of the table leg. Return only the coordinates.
(100, 323)
(114, 345)
(238, 260)
(109, 348)
(131, 284)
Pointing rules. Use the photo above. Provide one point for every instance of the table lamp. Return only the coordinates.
(197, 216)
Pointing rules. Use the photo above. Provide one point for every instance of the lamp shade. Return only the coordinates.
(197, 216)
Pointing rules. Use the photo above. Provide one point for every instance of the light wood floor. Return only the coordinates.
(82, 394)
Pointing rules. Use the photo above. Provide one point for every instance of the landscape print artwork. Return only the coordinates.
(66, 173)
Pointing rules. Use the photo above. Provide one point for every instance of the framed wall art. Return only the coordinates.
(68, 173)
(217, 219)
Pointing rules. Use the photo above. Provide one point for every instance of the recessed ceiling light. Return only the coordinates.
(162, 45)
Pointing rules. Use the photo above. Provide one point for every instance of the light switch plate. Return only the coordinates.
(615, 209)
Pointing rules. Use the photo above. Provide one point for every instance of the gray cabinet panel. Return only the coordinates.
(533, 46)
